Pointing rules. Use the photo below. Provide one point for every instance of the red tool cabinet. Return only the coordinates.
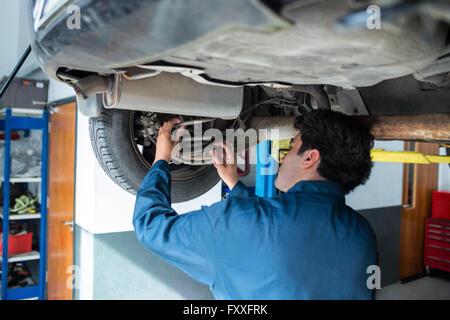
(437, 244)
(440, 208)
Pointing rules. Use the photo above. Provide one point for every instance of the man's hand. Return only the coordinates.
(225, 164)
(164, 144)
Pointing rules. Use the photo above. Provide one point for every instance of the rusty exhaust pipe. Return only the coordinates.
(420, 127)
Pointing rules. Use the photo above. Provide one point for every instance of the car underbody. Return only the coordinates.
(243, 64)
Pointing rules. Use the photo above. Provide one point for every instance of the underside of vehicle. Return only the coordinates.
(243, 64)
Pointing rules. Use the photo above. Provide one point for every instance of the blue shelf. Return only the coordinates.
(24, 122)
(23, 293)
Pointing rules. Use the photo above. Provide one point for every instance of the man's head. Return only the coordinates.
(329, 146)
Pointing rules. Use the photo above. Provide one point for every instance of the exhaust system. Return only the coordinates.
(164, 92)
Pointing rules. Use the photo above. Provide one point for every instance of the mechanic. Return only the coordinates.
(302, 244)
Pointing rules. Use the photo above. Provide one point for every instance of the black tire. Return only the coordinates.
(111, 139)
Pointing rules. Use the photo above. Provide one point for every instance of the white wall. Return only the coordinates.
(384, 187)
(58, 90)
(14, 37)
(444, 174)
(84, 259)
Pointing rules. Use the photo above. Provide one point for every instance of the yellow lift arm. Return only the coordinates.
(380, 155)
(280, 148)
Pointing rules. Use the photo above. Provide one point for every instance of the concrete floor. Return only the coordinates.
(427, 288)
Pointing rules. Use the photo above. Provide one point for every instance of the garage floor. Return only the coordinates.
(427, 288)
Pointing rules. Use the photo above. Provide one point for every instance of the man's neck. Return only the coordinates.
(309, 176)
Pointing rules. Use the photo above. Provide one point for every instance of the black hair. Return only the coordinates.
(344, 144)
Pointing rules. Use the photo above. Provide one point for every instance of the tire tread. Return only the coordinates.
(103, 152)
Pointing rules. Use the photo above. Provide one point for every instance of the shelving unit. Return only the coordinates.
(27, 216)
(24, 119)
(28, 256)
(23, 180)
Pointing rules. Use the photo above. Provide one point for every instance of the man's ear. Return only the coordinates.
(311, 157)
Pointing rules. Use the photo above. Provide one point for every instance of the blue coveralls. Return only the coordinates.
(303, 244)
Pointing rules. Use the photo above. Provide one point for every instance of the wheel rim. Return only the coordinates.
(178, 172)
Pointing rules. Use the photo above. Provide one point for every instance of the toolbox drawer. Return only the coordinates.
(437, 244)
(440, 208)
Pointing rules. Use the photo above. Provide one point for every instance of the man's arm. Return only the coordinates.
(185, 241)
(241, 190)
(225, 163)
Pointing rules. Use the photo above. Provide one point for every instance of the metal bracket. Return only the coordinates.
(52, 109)
(70, 223)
